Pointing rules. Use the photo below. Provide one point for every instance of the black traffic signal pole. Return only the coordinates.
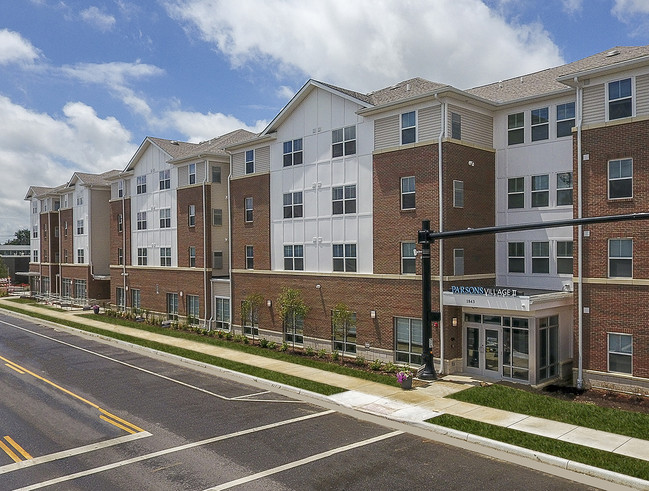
(425, 237)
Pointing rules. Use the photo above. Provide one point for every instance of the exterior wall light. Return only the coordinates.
(318, 286)
(269, 303)
(454, 322)
(373, 314)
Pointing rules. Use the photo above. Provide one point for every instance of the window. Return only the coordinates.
(222, 314)
(35, 253)
(456, 126)
(80, 289)
(66, 288)
(343, 141)
(516, 257)
(540, 257)
(191, 215)
(192, 256)
(294, 258)
(141, 256)
(250, 161)
(65, 229)
(344, 257)
(516, 348)
(620, 353)
(409, 344)
(120, 298)
(515, 128)
(192, 173)
(540, 191)
(250, 257)
(343, 326)
(141, 185)
(193, 310)
(217, 259)
(294, 329)
(565, 119)
(136, 298)
(165, 256)
(165, 218)
(408, 127)
(165, 179)
(251, 318)
(80, 256)
(120, 223)
(620, 258)
(217, 217)
(564, 257)
(620, 179)
(120, 190)
(408, 258)
(120, 256)
(79, 201)
(247, 207)
(172, 306)
(35, 232)
(620, 104)
(343, 199)
(540, 124)
(79, 227)
(65, 255)
(515, 192)
(408, 193)
(564, 188)
(293, 152)
(458, 194)
(56, 231)
(141, 220)
(458, 262)
(293, 205)
(216, 174)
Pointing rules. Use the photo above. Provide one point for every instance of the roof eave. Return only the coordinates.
(572, 79)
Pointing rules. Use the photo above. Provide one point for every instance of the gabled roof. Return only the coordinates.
(404, 90)
(214, 147)
(88, 179)
(173, 148)
(37, 192)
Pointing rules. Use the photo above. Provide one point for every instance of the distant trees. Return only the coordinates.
(21, 237)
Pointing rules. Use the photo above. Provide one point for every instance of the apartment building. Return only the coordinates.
(327, 200)
(69, 251)
(169, 231)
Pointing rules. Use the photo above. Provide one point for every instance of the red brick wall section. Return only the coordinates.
(67, 243)
(195, 235)
(116, 237)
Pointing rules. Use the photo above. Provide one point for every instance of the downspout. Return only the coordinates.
(124, 240)
(230, 243)
(60, 282)
(441, 228)
(580, 296)
(205, 231)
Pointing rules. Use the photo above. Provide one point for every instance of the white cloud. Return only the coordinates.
(15, 49)
(369, 44)
(97, 18)
(572, 6)
(285, 92)
(41, 150)
(200, 127)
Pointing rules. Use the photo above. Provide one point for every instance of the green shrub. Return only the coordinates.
(390, 367)
(376, 364)
(284, 346)
(335, 356)
(360, 361)
(322, 353)
(309, 351)
(263, 342)
(272, 345)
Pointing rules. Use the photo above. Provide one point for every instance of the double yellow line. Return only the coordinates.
(16, 447)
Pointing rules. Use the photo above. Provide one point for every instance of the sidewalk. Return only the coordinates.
(410, 406)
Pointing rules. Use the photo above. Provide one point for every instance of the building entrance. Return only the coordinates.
(483, 353)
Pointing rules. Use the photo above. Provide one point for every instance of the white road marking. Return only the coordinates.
(307, 460)
(167, 451)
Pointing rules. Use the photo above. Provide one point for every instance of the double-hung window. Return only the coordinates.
(165, 256)
(408, 127)
(250, 161)
(458, 262)
(515, 128)
(540, 257)
(456, 126)
(343, 199)
(344, 257)
(217, 260)
(216, 174)
(516, 257)
(564, 188)
(120, 192)
(293, 207)
(79, 227)
(165, 218)
(247, 207)
(192, 173)
(458, 194)
(565, 119)
(620, 178)
(620, 99)
(136, 298)
(222, 313)
(343, 141)
(409, 345)
(540, 191)
(408, 193)
(250, 257)
(80, 256)
(408, 258)
(165, 179)
(540, 124)
(192, 256)
(620, 353)
(142, 256)
(120, 224)
(293, 152)
(141, 185)
(191, 215)
(516, 192)
(620, 258)
(217, 217)
(564, 257)
(294, 258)
(120, 256)
(193, 309)
(141, 220)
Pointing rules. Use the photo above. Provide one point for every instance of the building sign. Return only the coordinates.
(481, 290)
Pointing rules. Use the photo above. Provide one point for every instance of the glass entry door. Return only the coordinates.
(483, 350)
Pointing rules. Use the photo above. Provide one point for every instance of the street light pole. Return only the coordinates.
(427, 336)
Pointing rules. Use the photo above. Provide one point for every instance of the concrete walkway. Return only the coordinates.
(426, 400)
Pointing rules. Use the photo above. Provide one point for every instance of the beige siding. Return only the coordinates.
(183, 175)
(238, 164)
(594, 104)
(221, 288)
(477, 128)
(200, 172)
(642, 95)
(386, 132)
(429, 123)
(262, 160)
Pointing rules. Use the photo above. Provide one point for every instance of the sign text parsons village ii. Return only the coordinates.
(481, 290)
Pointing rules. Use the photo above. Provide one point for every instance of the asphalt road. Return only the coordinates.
(79, 413)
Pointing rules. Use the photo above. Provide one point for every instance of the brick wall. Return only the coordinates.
(193, 236)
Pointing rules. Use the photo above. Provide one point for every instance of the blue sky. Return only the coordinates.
(82, 83)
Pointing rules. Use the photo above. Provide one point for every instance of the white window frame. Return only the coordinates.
(515, 256)
(564, 112)
(141, 220)
(408, 258)
(619, 177)
(250, 257)
(540, 257)
(347, 255)
(80, 227)
(192, 256)
(217, 217)
(343, 199)
(293, 205)
(564, 254)
(407, 191)
(540, 190)
(615, 351)
(458, 194)
(248, 209)
(142, 256)
(515, 126)
(141, 185)
(165, 257)
(540, 123)
(515, 193)
(564, 187)
(291, 154)
(165, 218)
(81, 256)
(191, 215)
(343, 142)
(629, 97)
(249, 159)
(458, 262)
(293, 257)
(615, 254)
(191, 172)
(408, 127)
(165, 179)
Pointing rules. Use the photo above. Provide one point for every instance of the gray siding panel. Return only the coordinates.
(642, 95)
(262, 160)
(477, 128)
(386, 132)
(429, 123)
(594, 104)
(238, 164)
